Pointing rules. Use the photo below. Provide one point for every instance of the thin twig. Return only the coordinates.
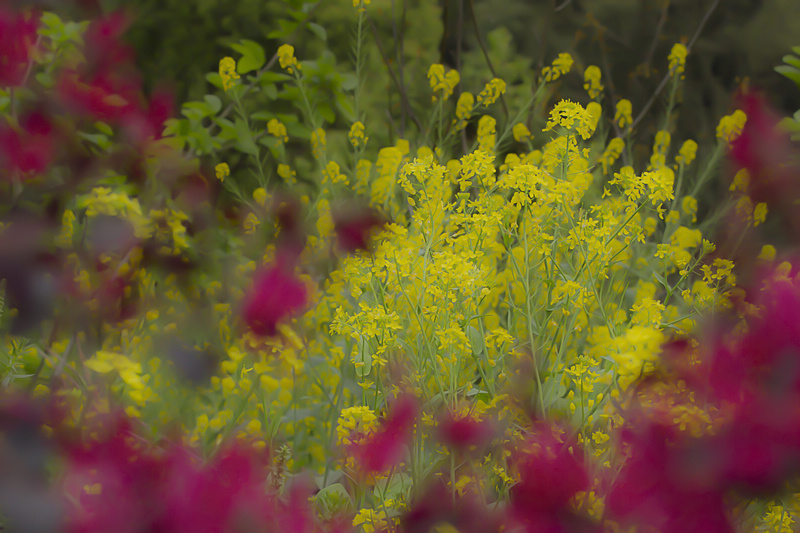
(485, 52)
(661, 22)
(667, 76)
(403, 96)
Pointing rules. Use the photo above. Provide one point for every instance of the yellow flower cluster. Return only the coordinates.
(491, 92)
(573, 118)
(360, 5)
(287, 59)
(731, 126)
(591, 81)
(319, 143)
(486, 133)
(623, 117)
(227, 72)
(687, 153)
(277, 129)
(521, 132)
(442, 84)
(677, 59)
(611, 153)
(356, 135)
(464, 108)
(222, 171)
(561, 66)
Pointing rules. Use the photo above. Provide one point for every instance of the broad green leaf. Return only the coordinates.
(214, 103)
(476, 340)
(333, 500)
(245, 137)
(253, 57)
(318, 30)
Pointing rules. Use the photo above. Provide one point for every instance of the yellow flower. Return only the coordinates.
(767, 253)
(287, 59)
(611, 153)
(561, 65)
(289, 176)
(227, 72)
(318, 143)
(492, 91)
(442, 84)
(356, 135)
(571, 116)
(591, 81)
(360, 4)
(223, 171)
(687, 153)
(731, 126)
(486, 133)
(521, 132)
(277, 129)
(623, 116)
(677, 58)
(759, 213)
(464, 109)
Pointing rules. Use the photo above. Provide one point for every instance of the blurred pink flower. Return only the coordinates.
(551, 471)
(17, 39)
(355, 226)
(30, 149)
(274, 295)
(385, 447)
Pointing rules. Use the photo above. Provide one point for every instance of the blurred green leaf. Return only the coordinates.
(253, 57)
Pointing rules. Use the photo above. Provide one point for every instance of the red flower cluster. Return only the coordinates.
(551, 472)
(385, 447)
(676, 480)
(274, 295)
(127, 486)
(17, 41)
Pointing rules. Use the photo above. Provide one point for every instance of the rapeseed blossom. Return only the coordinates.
(561, 66)
(592, 84)
(493, 90)
(677, 58)
(227, 72)
(222, 171)
(287, 59)
(623, 116)
(442, 84)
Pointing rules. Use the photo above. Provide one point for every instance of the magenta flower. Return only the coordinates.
(464, 432)
(274, 295)
(551, 471)
(17, 40)
(29, 150)
(385, 447)
(354, 228)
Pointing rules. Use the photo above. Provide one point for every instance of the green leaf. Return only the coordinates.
(476, 340)
(214, 103)
(318, 30)
(271, 91)
(392, 488)
(790, 72)
(792, 60)
(333, 500)
(253, 57)
(245, 137)
(326, 112)
(363, 358)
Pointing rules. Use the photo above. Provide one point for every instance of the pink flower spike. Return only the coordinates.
(275, 294)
